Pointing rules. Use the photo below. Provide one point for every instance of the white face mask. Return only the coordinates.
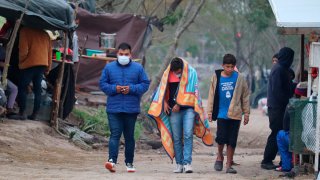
(123, 60)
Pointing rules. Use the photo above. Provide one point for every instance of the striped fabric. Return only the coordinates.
(188, 95)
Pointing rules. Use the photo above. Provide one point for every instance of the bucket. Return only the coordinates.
(107, 41)
(92, 52)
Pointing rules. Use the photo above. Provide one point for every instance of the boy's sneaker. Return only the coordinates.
(110, 166)
(178, 168)
(187, 168)
(130, 168)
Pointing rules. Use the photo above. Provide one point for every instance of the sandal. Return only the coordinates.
(234, 163)
(218, 165)
(230, 170)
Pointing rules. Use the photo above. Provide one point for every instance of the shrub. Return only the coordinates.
(93, 123)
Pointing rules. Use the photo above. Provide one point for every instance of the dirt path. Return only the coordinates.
(32, 150)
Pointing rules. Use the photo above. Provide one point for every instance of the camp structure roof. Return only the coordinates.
(44, 14)
(297, 16)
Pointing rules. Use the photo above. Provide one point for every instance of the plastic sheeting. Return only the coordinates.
(44, 14)
(128, 27)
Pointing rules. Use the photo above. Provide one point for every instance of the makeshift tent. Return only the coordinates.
(129, 28)
(43, 14)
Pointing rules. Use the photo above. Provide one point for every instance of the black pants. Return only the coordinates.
(227, 132)
(275, 124)
(34, 75)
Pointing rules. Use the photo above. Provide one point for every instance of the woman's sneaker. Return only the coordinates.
(278, 169)
(130, 168)
(178, 168)
(187, 168)
(110, 166)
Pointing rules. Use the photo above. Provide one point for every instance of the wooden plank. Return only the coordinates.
(301, 57)
(57, 88)
(10, 46)
(68, 62)
(99, 58)
(104, 58)
(296, 30)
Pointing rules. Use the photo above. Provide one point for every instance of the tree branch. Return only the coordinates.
(140, 4)
(154, 10)
(124, 6)
(182, 26)
(11, 44)
(173, 6)
(145, 8)
(196, 12)
(183, 20)
(107, 3)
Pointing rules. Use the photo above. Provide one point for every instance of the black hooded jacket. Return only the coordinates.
(279, 81)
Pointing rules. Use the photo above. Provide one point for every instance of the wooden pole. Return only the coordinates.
(57, 88)
(78, 63)
(64, 95)
(10, 46)
(302, 58)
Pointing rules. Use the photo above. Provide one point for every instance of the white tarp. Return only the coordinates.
(296, 13)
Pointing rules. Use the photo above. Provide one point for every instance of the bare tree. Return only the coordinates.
(153, 11)
(124, 6)
(174, 6)
(111, 5)
(190, 13)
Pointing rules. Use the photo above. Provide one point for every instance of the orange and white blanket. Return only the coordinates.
(188, 95)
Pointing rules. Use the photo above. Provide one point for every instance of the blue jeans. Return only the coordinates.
(12, 91)
(182, 123)
(122, 123)
(283, 146)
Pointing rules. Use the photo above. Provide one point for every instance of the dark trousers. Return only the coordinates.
(227, 132)
(122, 123)
(275, 124)
(34, 75)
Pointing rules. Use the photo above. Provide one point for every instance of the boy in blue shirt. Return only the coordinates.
(228, 100)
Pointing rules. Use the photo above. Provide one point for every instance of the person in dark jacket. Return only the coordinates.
(278, 95)
(124, 82)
